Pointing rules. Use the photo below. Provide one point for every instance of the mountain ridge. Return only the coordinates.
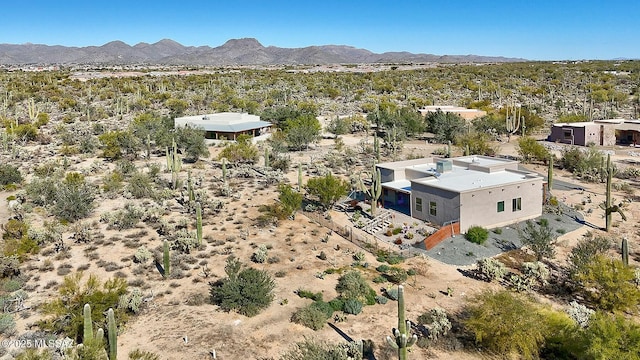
(243, 51)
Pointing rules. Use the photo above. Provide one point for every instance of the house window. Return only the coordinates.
(432, 208)
(516, 204)
(500, 206)
(419, 204)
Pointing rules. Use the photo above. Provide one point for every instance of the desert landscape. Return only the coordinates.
(107, 189)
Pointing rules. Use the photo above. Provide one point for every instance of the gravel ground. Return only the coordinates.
(459, 251)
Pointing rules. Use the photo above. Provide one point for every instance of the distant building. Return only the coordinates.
(227, 125)
(467, 114)
(598, 132)
(472, 190)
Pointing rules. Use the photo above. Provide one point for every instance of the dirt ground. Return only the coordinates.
(169, 326)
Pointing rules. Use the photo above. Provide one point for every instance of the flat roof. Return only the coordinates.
(223, 122)
(461, 179)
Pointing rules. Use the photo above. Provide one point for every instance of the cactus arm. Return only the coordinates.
(607, 205)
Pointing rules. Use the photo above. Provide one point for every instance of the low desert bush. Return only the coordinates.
(477, 234)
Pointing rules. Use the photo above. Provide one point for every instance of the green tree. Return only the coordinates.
(530, 149)
(245, 290)
(479, 143)
(290, 199)
(539, 238)
(177, 107)
(191, 141)
(301, 131)
(609, 284)
(445, 126)
(571, 118)
(116, 144)
(327, 189)
(506, 323)
(242, 151)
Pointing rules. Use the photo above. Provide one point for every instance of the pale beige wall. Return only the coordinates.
(447, 203)
(480, 207)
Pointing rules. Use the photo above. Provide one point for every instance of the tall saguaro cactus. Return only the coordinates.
(299, 177)
(173, 163)
(625, 251)
(376, 189)
(113, 335)
(403, 339)
(608, 206)
(88, 324)
(199, 223)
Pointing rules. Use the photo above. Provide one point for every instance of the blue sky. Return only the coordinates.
(531, 29)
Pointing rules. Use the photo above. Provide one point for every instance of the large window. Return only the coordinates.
(432, 208)
(419, 204)
(500, 206)
(516, 204)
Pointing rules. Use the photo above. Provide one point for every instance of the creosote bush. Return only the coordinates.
(245, 290)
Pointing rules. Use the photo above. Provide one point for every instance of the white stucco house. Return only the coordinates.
(472, 190)
(227, 126)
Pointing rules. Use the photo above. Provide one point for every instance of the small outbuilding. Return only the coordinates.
(227, 126)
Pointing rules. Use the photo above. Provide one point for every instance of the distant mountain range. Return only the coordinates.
(246, 51)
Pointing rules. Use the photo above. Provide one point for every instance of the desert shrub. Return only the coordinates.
(74, 198)
(131, 301)
(306, 294)
(353, 306)
(42, 191)
(396, 275)
(506, 324)
(314, 316)
(609, 284)
(392, 293)
(310, 349)
(586, 249)
(609, 336)
(138, 354)
(580, 313)
(260, 254)
(436, 322)
(353, 286)
(17, 242)
(336, 304)
(383, 268)
(381, 299)
(125, 218)
(536, 271)
(477, 234)
(490, 269)
(140, 185)
(142, 255)
(11, 285)
(9, 266)
(539, 239)
(389, 257)
(35, 354)
(245, 290)
(530, 149)
(9, 174)
(7, 324)
(64, 314)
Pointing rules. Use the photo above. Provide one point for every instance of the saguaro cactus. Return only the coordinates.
(224, 170)
(266, 157)
(625, 251)
(166, 260)
(376, 189)
(113, 335)
(449, 149)
(199, 223)
(190, 191)
(376, 145)
(608, 206)
(403, 339)
(88, 324)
